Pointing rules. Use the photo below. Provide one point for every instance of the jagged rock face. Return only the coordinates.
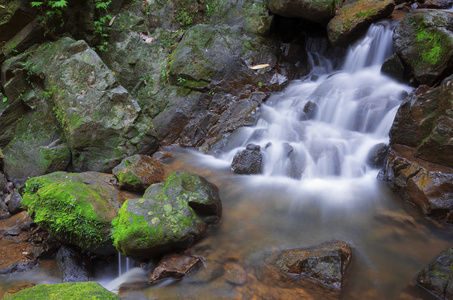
(248, 161)
(171, 216)
(354, 17)
(437, 276)
(70, 108)
(424, 41)
(317, 11)
(426, 185)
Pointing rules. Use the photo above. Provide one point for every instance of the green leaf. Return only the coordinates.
(36, 4)
(5, 99)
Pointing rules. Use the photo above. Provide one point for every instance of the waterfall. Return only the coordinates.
(325, 126)
(124, 264)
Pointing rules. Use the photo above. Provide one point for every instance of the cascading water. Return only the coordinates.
(325, 126)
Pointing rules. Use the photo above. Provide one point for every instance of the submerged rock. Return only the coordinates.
(138, 172)
(424, 41)
(322, 266)
(77, 209)
(248, 161)
(437, 276)
(171, 216)
(69, 290)
(355, 16)
(378, 155)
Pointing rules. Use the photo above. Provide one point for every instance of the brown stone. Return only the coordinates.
(175, 266)
(235, 273)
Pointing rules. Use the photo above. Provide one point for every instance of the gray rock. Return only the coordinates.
(316, 11)
(248, 161)
(378, 155)
(73, 266)
(15, 203)
(437, 276)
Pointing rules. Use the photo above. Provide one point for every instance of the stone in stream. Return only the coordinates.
(171, 216)
(377, 155)
(138, 172)
(174, 266)
(248, 161)
(322, 266)
(437, 276)
(14, 202)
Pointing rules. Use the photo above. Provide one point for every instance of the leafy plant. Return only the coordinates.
(5, 99)
(181, 81)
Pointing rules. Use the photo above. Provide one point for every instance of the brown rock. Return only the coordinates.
(235, 274)
(174, 265)
(426, 185)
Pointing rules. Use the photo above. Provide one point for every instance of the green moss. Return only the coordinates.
(65, 210)
(64, 291)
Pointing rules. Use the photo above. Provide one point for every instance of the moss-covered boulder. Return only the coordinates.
(171, 216)
(320, 11)
(77, 209)
(354, 17)
(424, 41)
(138, 172)
(65, 291)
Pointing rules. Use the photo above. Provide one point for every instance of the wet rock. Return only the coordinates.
(323, 266)
(21, 245)
(68, 290)
(72, 266)
(320, 11)
(138, 172)
(378, 155)
(210, 271)
(32, 33)
(248, 161)
(437, 276)
(171, 216)
(75, 208)
(424, 42)
(426, 185)
(394, 68)
(175, 266)
(352, 18)
(436, 4)
(310, 110)
(14, 202)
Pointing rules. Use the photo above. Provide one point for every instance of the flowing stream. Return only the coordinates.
(316, 186)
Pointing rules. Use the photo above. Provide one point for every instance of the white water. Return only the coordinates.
(327, 153)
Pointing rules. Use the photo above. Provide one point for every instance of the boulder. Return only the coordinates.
(77, 209)
(72, 266)
(426, 185)
(248, 161)
(323, 266)
(354, 17)
(435, 4)
(100, 122)
(424, 41)
(316, 11)
(14, 15)
(138, 172)
(424, 121)
(437, 276)
(68, 290)
(171, 216)
(395, 68)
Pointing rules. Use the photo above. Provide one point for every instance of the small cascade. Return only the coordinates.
(325, 126)
(124, 264)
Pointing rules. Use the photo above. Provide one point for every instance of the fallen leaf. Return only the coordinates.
(111, 21)
(256, 67)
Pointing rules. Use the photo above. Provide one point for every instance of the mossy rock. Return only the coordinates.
(77, 209)
(425, 42)
(65, 291)
(171, 216)
(352, 18)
